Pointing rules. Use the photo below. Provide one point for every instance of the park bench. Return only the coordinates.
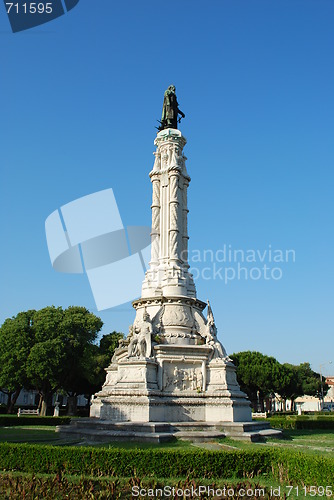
(259, 414)
(27, 412)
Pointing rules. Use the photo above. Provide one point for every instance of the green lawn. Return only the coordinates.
(306, 440)
(310, 441)
(34, 434)
(319, 442)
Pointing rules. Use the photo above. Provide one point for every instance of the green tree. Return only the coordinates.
(109, 343)
(303, 381)
(310, 380)
(258, 375)
(58, 357)
(81, 329)
(16, 340)
(107, 346)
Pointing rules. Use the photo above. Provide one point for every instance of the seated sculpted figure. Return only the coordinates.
(211, 336)
(141, 338)
(133, 345)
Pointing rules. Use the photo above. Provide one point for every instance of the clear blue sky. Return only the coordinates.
(80, 99)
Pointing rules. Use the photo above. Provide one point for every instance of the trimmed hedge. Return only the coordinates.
(12, 420)
(127, 463)
(327, 414)
(284, 465)
(319, 422)
(298, 467)
(282, 413)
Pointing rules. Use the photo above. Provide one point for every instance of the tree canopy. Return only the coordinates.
(103, 355)
(16, 341)
(47, 349)
(303, 380)
(260, 376)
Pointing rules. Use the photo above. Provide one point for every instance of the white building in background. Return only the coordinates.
(311, 403)
(303, 403)
(330, 382)
(31, 399)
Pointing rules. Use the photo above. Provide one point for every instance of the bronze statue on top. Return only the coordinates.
(170, 110)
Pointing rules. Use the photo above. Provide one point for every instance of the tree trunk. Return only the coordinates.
(44, 408)
(9, 398)
(40, 401)
(72, 405)
(12, 398)
(46, 401)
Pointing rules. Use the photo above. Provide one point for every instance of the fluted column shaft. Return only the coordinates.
(155, 234)
(174, 216)
(168, 273)
(185, 237)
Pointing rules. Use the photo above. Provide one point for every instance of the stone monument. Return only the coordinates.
(171, 367)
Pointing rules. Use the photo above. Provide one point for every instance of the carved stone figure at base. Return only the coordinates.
(133, 337)
(141, 338)
(211, 336)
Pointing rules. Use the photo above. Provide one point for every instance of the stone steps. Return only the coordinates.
(198, 436)
(104, 436)
(159, 432)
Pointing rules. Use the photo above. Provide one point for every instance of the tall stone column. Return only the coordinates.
(168, 272)
(185, 211)
(174, 217)
(155, 233)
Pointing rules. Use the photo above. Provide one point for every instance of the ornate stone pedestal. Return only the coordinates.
(171, 367)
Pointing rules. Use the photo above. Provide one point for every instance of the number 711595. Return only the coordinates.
(310, 491)
(29, 8)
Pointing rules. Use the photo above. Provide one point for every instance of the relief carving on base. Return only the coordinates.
(218, 376)
(182, 378)
(131, 375)
(178, 315)
(111, 378)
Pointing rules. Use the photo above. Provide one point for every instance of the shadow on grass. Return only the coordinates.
(33, 435)
(47, 435)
